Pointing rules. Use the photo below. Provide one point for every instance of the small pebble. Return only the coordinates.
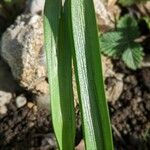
(5, 98)
(139, 99)
(21, 101)
(3, 110)
(35, 109)
(30, 105)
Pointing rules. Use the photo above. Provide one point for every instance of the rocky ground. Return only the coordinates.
(25, 122)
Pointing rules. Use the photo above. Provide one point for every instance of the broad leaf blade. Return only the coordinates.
(132, 57)
(94, 109)
(129, 28)
(59, 73)
(112, 44)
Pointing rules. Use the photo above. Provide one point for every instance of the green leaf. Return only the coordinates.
(59, 72)
(112, 44)
(88, 66)
(133, 56)
(121, 42)
(129, 27)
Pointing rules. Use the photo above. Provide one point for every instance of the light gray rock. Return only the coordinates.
(22, 49)
(3, 110)
(20, 101)
(5, 98)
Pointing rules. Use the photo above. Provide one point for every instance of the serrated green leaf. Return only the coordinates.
(129, 28)
(132, 57)
(127, 22)
(112, 44)
(88, 66)
(59, 73)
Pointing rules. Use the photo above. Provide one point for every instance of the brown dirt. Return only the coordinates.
(29, 128)
(26, 128)
(130, 114)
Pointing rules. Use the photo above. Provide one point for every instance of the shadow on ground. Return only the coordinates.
(7, 82)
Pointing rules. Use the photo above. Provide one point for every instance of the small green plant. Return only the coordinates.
(70, 32)
(121, 43)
